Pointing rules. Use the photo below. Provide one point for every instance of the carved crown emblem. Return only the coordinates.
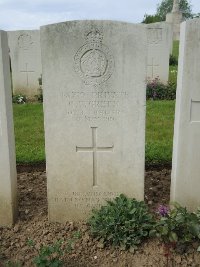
(93, 61)
(94, 35)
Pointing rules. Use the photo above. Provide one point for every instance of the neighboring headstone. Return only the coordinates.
(185, 187)
(159, 48)
(8, 187)
(94, 106)
(175, 18)
(26, 65)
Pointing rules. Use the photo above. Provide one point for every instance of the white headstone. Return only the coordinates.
(185, 187)
(94, 105)
(159, 49)
(8, 194)
(25, 57)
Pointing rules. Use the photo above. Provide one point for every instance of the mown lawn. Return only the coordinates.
(159, 131)
(175, 51)
(173, 69)
(29, 132)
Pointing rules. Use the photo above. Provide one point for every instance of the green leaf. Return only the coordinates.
(152, 233)
(173, 237)
(195, 229)
(132, 249)
(165, 230)
(132, 211)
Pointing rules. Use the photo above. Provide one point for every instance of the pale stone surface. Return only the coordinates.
(94, 104)
(8, 187)
(175, 18)
(159, 49)
(25, 54)
(175, 6)
(185, 187)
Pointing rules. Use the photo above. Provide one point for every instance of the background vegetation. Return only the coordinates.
(165, 7)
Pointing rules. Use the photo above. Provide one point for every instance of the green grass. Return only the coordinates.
(29, 132)
(175, 51)
(173, 69)
(159, 131)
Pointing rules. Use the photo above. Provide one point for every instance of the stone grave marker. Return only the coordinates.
(159, 49)
(8, 186)
(25, 54)
(94, 105)
(185, 185)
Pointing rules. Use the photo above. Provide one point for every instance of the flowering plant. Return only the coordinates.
(177, 226)
(19, 99)
(163, 211)
(156, 90)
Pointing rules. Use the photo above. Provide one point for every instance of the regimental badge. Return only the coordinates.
(25, 41)
(93, 61)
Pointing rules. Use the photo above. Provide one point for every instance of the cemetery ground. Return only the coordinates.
(20, 245)
(32, 226)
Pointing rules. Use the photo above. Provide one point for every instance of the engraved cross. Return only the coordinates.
(94, 149)
(27, 73)
(152, 65)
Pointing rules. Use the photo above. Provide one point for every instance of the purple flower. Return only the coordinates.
(163, 210)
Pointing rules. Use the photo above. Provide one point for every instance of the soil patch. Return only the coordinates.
(35, 167)
(82, 250)
(41, 166)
